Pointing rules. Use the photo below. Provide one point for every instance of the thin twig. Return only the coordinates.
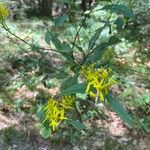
(129, 69)
(48, 64)
(30, 45)
(78, 31)
(91, 51)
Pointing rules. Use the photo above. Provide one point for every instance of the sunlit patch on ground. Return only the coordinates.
(7, 121)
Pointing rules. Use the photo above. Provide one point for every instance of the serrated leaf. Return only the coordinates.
(60, 20)
(119, 109)
(77, 125)
(120, 9)
(76, 88)
(45, 132)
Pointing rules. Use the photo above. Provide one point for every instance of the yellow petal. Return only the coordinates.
(92, 94)
(101, 96)
(88, 87)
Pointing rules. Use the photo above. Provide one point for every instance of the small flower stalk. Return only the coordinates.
(99, 81)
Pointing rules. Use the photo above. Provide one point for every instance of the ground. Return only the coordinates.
(19, 132)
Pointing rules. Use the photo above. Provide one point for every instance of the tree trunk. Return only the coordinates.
(46, 9)
(86, 4)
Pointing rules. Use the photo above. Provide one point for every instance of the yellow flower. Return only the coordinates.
(67, 102)
(3, 12)
(54, 114)
(99, 81)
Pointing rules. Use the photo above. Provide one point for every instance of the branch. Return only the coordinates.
(48, 64)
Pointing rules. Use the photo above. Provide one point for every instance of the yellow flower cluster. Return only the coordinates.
(3, 12)
(55, 111)
(99, 81)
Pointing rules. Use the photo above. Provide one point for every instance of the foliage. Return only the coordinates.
(80, 44)
(10, 133)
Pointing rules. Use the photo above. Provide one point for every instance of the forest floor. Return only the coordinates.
(20, 132)
(18, 128)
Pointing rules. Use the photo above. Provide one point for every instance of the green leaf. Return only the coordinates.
(113, 40)
(120, 9)
(56, 41)
(40, 113)
(48, 83)
(119, 23)
(63, 48)
(98, 51)
(110, 144)
(119, 109)
(94, 38)
(45, 132)
(53, 37)
(66, 47)
(77, 125)
(60, 46)
(60, 20)
(146, 126)
(68, 56)
(47, 37)
(69, 82)
(73, 89)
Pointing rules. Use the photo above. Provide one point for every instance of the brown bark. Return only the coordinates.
(86, 4)
(47, 7)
